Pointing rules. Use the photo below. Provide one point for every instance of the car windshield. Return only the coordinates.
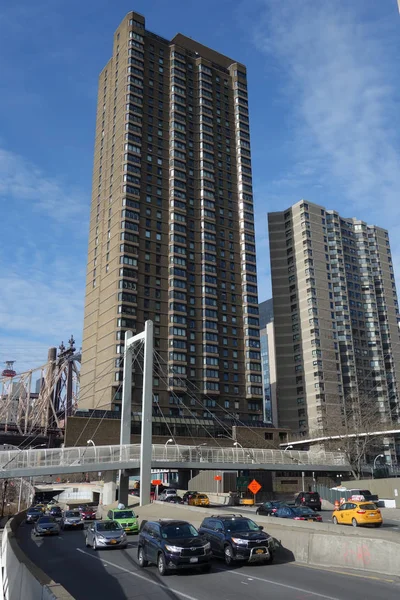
(124, 514)
(72, 513)
(45, 520)
(202, 496)
(365, 493)
(182, 530)
(369, 506)
(312, 496)
(108, 526)
(241, 525)
(34, 511)
(55, 509)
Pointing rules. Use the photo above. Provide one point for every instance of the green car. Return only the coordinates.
(126, 518)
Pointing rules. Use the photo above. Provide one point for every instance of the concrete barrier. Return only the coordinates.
(22, 579)
(318, 544)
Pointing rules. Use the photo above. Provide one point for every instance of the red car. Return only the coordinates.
(88, 514)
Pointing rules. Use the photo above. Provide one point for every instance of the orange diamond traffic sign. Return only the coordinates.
(254, 487)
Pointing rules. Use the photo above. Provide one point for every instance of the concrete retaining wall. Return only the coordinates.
(22, 579)
(318, 544)
(385, 488)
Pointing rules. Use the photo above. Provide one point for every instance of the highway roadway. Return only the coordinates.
(115, 574)
(391, 517)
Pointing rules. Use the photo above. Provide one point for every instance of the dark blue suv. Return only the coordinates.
(173, 545)
(236, 538)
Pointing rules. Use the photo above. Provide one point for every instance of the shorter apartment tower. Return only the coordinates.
(335, 319)
(268, 364)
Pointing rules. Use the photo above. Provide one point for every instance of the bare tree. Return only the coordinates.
(354, 432)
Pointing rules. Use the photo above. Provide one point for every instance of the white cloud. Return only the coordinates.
(42, 267)
(22, 181)
(339, 83)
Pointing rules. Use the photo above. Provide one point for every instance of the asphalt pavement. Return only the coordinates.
(113, 573)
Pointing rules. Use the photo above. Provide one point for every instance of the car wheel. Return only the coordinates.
(161, 564)
(354, 522)
(141, 559)
(335, 521)
(228, 555)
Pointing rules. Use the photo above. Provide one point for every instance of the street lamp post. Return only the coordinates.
(375, 459)
(201, 446)
(89, 443)
(170, 441)
(236, 445)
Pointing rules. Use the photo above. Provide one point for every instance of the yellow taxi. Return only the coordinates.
(357, 513)
(42, 507)
(199, 500)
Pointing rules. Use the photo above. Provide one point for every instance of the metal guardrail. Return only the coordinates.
(101, 455)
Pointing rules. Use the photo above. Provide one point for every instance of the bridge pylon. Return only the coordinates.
(131, 341)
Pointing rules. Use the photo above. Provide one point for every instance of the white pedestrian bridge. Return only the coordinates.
(28, 463)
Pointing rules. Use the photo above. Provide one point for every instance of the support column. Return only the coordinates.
(126, 411)
(123, 489)
(110, 487)
(147, 408)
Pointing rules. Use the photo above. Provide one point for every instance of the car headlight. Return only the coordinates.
(239, 541)
(174, 549)
(101, 538)
(207, 546)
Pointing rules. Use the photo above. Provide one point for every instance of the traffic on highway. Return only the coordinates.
(227, 555)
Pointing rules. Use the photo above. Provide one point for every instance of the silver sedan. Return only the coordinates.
(108, 534)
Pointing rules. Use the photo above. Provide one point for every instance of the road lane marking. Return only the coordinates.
(160, 585)
(284, 585)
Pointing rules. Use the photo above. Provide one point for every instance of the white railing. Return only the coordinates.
(130, 453)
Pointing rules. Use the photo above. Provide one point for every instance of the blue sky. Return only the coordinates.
(324, 97)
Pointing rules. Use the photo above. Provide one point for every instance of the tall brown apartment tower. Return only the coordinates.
(172, 229)
(335, 316)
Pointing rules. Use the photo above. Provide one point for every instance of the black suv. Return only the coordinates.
(310, 499)
(173, 545)
(235, 537)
